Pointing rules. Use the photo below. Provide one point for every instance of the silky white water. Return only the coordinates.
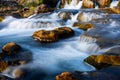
(64, 55)
(74, 4)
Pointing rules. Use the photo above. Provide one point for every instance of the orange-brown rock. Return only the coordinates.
(43, 8)
(109, 73)
(64, 32)
(101, 61)
(116, 9)
(11, 48)
(53, 35)
(83, 26)
(106, 10)
(118, 3)
(45, 36)
(104, 3)
(65, 76)
(88, 4)
(1, 19)
(3, 65)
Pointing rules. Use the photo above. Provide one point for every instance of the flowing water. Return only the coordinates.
(52, 58)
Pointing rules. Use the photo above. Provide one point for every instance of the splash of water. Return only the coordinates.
(114, 3)
(73, 5)
(88, 45)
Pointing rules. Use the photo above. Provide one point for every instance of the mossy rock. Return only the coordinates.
(102, 61)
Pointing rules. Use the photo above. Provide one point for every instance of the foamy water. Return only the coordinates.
(74, 4)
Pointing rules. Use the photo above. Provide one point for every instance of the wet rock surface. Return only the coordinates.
(104, 3)
(13, 55)
(88, 4)
(53, 35)
(110, 73)
(65, 15)
(101, 33)
(116, 9)
(84, 26)
(102, 61)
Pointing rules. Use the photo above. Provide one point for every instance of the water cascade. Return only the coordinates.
(74, 4)
(64, 55)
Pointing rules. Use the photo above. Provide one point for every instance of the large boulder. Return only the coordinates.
(102, 61)
(45, 36)
(110, 73)
(88, 4)
(104, 3)
(64, 32)
(53, 35)
(116, 9)
(83, 25)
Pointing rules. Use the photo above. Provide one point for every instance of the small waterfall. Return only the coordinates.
(32, 23)
(88, 45)
(73, 5)
(114, 3)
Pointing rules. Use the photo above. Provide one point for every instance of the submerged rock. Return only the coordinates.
(105, 36)
(110, 73)
(88, 4)
(65, 76)
(102, 61)
(104, 3)
(11, 48)
(84, 26)
(13, 55)
(1, 19)
(65, 15)
(53, 35)
(4, 77)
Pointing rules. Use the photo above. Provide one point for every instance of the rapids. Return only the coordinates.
(53, 58)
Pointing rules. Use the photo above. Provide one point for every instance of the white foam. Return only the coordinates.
(73, 5)
(114, 3)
